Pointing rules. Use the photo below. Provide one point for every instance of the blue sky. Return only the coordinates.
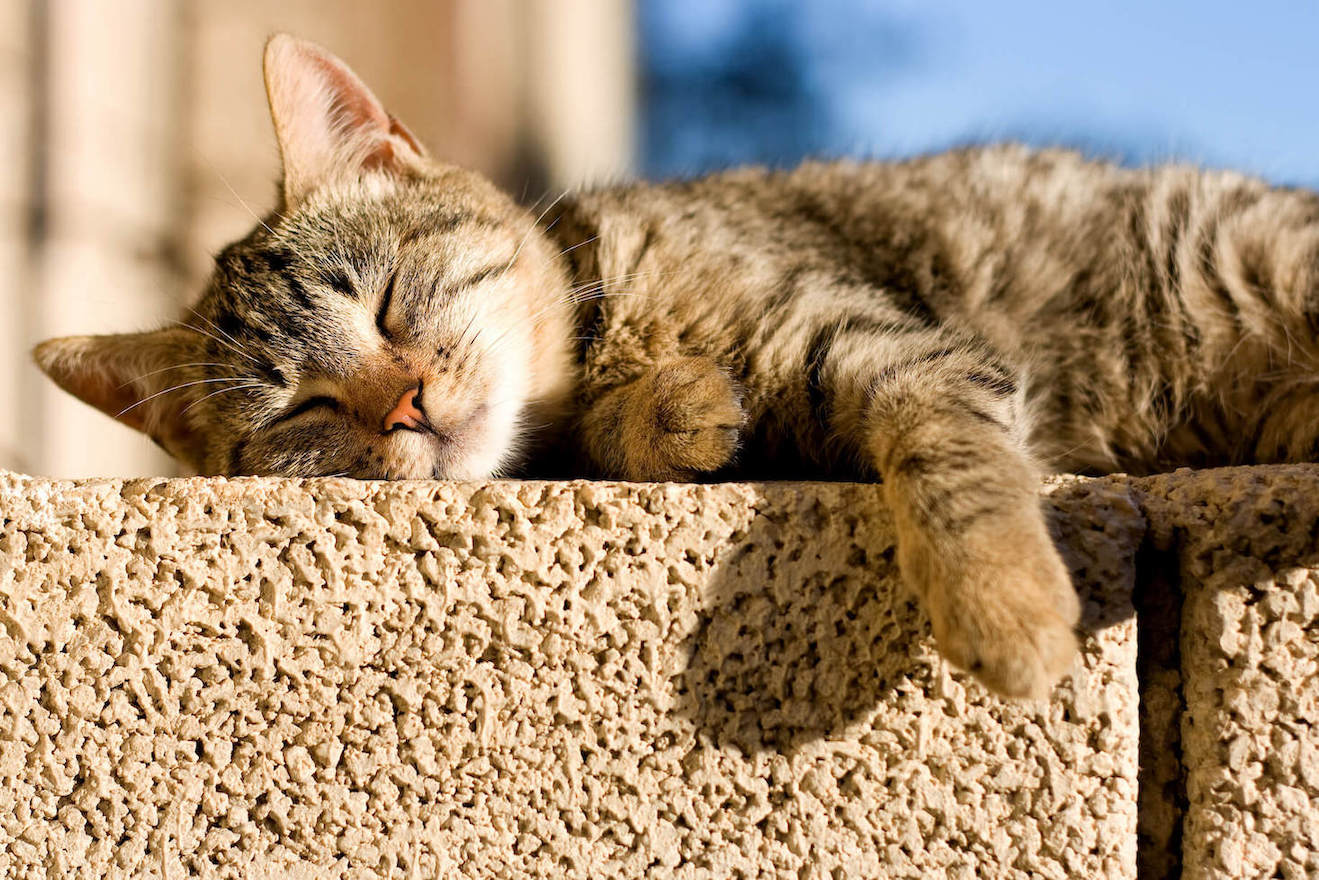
(1224, 84)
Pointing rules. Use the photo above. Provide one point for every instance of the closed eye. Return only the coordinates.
(382, 316)
(306, 406)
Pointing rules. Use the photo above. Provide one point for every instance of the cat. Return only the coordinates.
(950, 325)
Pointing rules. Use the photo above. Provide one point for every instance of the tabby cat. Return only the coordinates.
(950, 324)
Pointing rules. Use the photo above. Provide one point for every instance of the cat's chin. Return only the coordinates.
(474, 467)
(476, 450)
(444, 466)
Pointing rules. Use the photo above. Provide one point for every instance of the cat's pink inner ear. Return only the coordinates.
(90, 368)
(327, 122)
(124, 375)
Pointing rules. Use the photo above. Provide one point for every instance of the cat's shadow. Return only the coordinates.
(806, 629)
(799, 638)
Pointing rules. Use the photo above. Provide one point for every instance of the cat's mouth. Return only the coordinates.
(448, 450)
(470, 424)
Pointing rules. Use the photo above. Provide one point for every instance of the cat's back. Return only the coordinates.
(948, 231)
(940, 223)
(996, 235)
(857, 197)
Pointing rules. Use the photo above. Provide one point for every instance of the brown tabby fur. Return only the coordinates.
(950, 324)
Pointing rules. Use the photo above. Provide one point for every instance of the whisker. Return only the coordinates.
(604, 282)
(573, 297)
(534, 225)
(167, 369)
(579, 244)
(624, 276)
(463, 336)
(241, 201)
(587, 293)
(216, 327)
(182, 386)
(531, 319)
(540, 198)
(212, 336)
(221, 391)
(607, 294)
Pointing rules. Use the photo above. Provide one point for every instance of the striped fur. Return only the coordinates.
(950, 325)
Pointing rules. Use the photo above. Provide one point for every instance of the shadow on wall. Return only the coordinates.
(796, 646)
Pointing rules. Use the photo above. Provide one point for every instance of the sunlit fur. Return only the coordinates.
(944, 324)
(477, 315)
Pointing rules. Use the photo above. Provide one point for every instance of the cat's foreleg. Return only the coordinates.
(942, 422)
(678, 419)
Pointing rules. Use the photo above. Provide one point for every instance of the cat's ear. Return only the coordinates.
(327, 121)
(132, 377)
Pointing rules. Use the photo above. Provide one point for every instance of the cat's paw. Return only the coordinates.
(1003, 608)
(684, 419)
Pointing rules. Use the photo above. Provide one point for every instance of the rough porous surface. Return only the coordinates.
(1248, 547)
(271, 678)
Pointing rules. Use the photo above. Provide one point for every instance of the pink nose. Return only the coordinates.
(407, 413)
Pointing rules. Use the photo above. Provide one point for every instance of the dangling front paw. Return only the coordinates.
(1001, 605)
(681, 419)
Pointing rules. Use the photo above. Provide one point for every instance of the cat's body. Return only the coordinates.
(1152, 318)
(944, 324)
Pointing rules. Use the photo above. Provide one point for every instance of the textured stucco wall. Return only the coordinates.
(273, 678)
(502, 680)
(1248, 546)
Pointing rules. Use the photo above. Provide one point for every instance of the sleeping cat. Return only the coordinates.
(949, 324)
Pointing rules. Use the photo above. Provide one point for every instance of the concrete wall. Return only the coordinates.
(549, 680)
(1246, 547)
(265, 677)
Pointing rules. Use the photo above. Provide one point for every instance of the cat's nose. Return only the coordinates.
(407, 414)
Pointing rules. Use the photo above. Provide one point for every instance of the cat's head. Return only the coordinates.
(394, 317)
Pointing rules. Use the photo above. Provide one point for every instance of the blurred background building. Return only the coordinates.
(134, 140)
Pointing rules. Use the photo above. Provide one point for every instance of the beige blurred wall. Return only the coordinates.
(14, 221)
(134, 143)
